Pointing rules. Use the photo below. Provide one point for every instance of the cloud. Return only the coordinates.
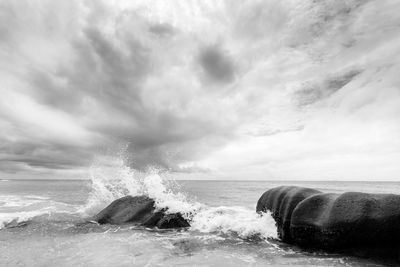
(316, 90)
(217, 65)
(162, 30)
(263, 88)
(112, 88)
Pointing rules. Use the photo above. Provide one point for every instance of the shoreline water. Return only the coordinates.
(227, 226)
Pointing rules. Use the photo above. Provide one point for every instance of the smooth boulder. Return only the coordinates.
(281, 201)
(347, 220)
(139, 210)
(310, 218)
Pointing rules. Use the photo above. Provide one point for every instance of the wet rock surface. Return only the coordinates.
(351, 222)
(139, 210)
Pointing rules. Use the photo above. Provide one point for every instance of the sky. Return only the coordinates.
(200, 89)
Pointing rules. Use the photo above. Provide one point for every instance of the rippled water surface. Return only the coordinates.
(40, 225)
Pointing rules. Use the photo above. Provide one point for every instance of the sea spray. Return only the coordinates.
(118, 180)
(235, 220)
(165, 198)
(110, 182)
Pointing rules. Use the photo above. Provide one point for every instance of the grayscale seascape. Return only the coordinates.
(199, 133)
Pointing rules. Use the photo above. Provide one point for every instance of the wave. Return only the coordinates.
(12, 219)
(119, 180)
(240, 221)
(15, 210)
(15, 201)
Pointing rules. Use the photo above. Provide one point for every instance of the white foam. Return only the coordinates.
(15, 201)
(123, 181)
(15, 209)
(109, 183)
(238, 220)
(23, 216)
(117, 180)
(155, 188)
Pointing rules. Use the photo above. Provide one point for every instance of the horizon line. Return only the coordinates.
(215, 180)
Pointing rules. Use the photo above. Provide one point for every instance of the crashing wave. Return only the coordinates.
(118, 181)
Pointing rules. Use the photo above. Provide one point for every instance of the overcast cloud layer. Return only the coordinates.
(291, 89)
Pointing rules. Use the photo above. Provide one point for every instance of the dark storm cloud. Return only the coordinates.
(45, 155)
(47, 163)
(49, 92)
(217, 65)
(100, 71)
(166, 139)
(112, 77)
(104, 86)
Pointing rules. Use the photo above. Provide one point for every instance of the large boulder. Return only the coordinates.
(281, 201)
(139, 210)
(355, 221)
(347, 220)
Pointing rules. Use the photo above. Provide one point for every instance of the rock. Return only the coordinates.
(174, 220)
(352, 222)
(347, 220)
(127, 209)
(139, 210)
(281, 201)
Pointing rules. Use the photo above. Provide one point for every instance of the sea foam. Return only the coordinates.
(10, 219)
(119, 180)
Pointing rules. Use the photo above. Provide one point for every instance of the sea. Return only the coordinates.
(42, 224)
